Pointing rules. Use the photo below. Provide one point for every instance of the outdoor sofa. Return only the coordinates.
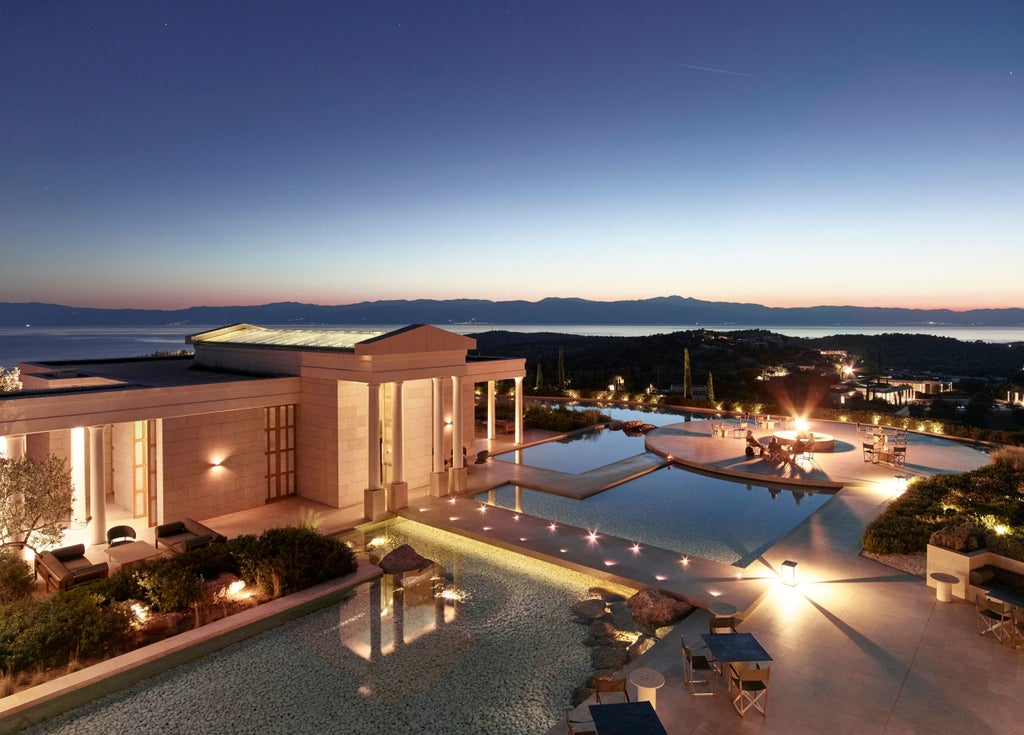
(68, 567)
(185, 535)
(993, 578)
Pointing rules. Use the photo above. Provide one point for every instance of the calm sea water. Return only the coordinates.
(22, 344)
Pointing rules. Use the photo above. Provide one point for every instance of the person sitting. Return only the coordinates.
(798, 447)
(753, 445)
(774, 450)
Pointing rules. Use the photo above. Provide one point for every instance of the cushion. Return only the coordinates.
(982, 575)
(69, 552)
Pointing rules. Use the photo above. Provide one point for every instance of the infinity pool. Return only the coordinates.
(496, 653)
(701, 515)
(589, 450)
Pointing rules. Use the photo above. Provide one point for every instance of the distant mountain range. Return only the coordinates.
(668, 310)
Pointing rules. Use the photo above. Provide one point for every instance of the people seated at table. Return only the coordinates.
(775, 451)
(753, 445)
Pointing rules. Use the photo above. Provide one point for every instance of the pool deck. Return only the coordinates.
(857, 646)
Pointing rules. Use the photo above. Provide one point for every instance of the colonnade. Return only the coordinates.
(444, 480)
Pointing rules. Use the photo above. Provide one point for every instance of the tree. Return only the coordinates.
(711, 387)
(687, 379)
(560, 370)
(540, 378)
(10, 380)
(35, 501)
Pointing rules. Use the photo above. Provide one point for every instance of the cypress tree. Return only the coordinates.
(711, 387)
(687, 384)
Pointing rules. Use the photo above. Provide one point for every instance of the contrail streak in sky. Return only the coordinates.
(716, 71)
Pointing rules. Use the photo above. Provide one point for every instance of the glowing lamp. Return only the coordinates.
(789, 573)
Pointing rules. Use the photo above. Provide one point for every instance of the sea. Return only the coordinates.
(45, 344)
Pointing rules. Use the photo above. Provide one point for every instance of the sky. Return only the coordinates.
(168, 154)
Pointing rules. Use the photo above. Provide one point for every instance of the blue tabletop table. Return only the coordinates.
(735, 647)
(626, 718)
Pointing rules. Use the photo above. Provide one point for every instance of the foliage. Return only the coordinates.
(961, 537)
(962, 512)
(171, 584)
(51, 630)
(687, 378)
(10, 380)
(286, 560)
(35, 501)
(561, 418)
(711, 388)
(16, 577)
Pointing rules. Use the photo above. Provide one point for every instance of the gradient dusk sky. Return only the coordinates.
(167, 154)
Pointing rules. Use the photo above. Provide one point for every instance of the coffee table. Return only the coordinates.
(136, 552)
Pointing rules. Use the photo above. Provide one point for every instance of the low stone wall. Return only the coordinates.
(961, 564)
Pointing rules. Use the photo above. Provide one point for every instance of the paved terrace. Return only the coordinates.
(858, 647)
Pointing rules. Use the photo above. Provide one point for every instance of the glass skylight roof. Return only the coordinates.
(316, 338)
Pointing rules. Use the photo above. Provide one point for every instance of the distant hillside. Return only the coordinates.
(668, 310)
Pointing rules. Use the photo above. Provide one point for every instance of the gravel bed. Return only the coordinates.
(507, 663)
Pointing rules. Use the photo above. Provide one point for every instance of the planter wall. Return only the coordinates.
(961, 564)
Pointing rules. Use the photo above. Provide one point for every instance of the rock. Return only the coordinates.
(606, 594)
(641, 646)
(654, 608)
(609, 657)
(404, 559)
(602, 630)
(591, 609)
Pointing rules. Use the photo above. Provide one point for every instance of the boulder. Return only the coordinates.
(654, 608)
(602, 631)
(591, 609)
(606, 594)
(609, 657)
(404, 559)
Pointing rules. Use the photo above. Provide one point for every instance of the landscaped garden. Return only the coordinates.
(42, 637)
(983, 508)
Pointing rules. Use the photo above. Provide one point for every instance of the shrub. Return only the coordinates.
(170, 585)
(286, 560)
(961, 537)
(16, 577)
(1006, 545)
(896, 534)
(52, 630)
(561, 418)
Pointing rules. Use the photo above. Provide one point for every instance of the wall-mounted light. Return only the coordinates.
(789, 573)
(217, 462)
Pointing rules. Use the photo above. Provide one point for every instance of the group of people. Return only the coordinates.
(775, 450)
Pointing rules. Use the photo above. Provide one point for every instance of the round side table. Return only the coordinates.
(648, 682)
(944, 585)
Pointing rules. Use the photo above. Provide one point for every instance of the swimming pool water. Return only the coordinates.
(505, 660)
(587, 451)
(702, 515)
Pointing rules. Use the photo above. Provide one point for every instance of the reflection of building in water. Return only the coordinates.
(400, 608)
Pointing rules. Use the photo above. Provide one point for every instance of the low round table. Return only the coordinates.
(944, 585)
(721, 609)
(648, 682)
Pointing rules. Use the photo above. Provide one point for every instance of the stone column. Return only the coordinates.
(398, 492)
(490, 409)
(438, 479)
(97, 490)
(15, 448)
(79, 505)
(519, 410)
(457, 475)
(374, 496)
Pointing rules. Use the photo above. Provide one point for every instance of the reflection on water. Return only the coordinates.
(701, 515)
